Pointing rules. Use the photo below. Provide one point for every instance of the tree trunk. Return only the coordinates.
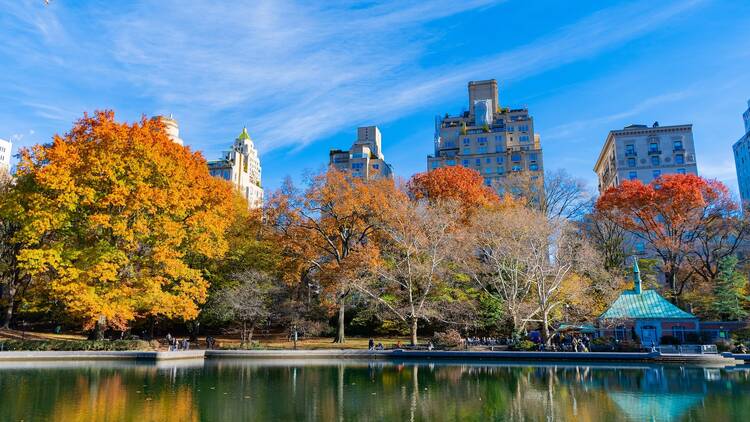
(243, 334)
(414, 331)
(340, 334)
(545, 328)
(250, 333)
(11, 294)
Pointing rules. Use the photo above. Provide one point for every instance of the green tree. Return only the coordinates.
(730, 302)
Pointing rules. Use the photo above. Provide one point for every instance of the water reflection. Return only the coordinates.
(225, 390)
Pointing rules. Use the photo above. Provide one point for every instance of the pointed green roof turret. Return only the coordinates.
(636, 277)
(244, 135)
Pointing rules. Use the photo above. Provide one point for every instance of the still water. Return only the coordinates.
(324, 390)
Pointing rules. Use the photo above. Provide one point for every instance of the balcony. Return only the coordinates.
(654, 152)
(631, 154)
(678, 149)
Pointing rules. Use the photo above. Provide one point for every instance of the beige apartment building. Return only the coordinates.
(241, 166)
(6, 148)
(365, 158)
(494, 140)
(640, 152)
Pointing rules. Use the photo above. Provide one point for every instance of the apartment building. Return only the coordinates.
(640, 152)
(492, 139)
(365, 158)
(5, 153)
(741, 150)
(241, 166)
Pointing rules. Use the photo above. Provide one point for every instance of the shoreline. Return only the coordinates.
(726, 359)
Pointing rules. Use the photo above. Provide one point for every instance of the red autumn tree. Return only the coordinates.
(668, 215)
(455, 183)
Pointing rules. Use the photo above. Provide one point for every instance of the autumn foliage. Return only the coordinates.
(667, 214)
(454, 183)
(112, 214)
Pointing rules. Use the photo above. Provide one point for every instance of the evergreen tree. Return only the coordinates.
(729, 298)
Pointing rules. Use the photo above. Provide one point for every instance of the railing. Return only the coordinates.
(654, 151)
(689, 349)
(631, 154)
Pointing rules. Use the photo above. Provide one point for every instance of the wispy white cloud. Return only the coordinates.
(298, 71)
(571, 131)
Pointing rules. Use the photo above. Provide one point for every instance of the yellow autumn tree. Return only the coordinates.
(112, 214)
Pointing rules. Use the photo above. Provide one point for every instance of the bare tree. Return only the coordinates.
(610, 239)
(419, 239)
(249, 302)
(552, 264)
(497, 256)
(556, 195)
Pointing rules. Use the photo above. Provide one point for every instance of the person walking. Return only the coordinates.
(371, 344)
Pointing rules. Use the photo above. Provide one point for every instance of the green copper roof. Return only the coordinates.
(244, 135)
(645, 305)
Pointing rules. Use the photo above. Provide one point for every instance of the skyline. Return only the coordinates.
(303, 78)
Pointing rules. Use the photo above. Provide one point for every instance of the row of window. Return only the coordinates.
(656, 160)
(653, 147)
(633, 175)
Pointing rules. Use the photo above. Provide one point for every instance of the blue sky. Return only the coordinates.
(303, 75)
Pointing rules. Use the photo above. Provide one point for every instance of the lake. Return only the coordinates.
(352, 390)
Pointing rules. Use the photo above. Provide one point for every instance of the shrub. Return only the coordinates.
(723, 346)
(525, 345)
(76, 345)
(253, 345)
(742, 336)
(450, 338)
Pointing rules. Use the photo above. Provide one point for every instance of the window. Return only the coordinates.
(533, 167)
(524, 148)
(498, 138)
(501, 170)
(450, 162)
(510, 129)
(376, 166)
(467, 141)
(435, 164)
(523, 128)
(631, 162)
(482, 140)
(499, 159)
(516, 168)
(499, 148)
(465, 163)
(532, 157)
(679, 333)
(653, 147)
(488, 160)
(478, 162)
(358, 155)
(657, 174)
(680, 171)
(679, 159)
(357, 166)
(677, 145)
(629, 149)
(488, 181)
(655, 160)
(488, 169)
(633, 175)
(523, 138)
(515, 157)
(620, 332)
(466, 151)
(482, 150)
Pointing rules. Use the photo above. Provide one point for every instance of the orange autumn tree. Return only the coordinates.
(454, 183)
(112, 213)
(668, 215)
(329, 228)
